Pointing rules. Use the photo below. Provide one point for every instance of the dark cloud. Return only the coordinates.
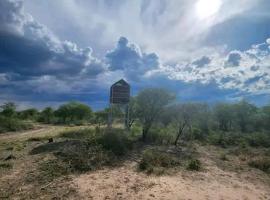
(234, 59)
(254, 68)
(129, 58)
(29, 49)
(202, 61)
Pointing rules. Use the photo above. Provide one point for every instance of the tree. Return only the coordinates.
(244, 114)
(132, 111)
(8, 109)
(73, 112)
(30, 113)
(101, 117)
(47, 115)
(181, 116)
(266, 118)
(224, 114)
(149, 105)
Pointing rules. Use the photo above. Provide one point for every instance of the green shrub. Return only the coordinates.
(115, 140)
(262, 164)
(153, 160)
(198, 134)
(13, 124)
(225, 139)
(85, 157)
(160, 136)
(194, 165)
(258, 139)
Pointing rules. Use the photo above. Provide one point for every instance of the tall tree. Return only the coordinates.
(244, 114)
(8, 109)
(149, 105)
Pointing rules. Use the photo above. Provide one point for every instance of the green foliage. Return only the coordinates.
(160, 135)
(156, 161)
(13, 124)
(112, 140)
(194, 165)
(28, 114)
(226, 139)
(101, 117)
(47, 116)
(149, 105)
(258, 139)
(261, 163)
(115, 140)
(74, 113)
(8, 109)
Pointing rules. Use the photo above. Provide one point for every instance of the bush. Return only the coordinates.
(115, 141)
(194, 165)
(13, 124)
(262, 164)
(85, 157)
(258, 139)
(225, 139)
(160, 136)
(154, 161)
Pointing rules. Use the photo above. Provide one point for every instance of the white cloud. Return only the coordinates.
(247, 71)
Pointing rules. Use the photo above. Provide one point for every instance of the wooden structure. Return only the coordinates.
(120, 95)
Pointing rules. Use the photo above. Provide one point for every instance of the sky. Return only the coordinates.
(56, 51)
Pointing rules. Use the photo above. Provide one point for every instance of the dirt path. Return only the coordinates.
(212, 183)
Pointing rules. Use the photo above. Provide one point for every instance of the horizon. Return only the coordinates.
(54, 52)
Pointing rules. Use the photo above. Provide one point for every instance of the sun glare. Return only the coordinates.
(207, 8)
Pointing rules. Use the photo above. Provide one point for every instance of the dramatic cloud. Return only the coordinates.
(30, 49)
(45, 55)
(234, 59)
(129, 58)
(202, 61)
(247, 71)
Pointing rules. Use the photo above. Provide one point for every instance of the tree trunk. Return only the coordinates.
(180, 131)
(144, 133)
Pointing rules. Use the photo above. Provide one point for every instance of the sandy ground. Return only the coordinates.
(125, 182)
(212, 183)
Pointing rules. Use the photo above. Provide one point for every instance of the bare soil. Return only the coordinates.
(231, 179)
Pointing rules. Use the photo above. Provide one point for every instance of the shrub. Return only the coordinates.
(258, 139)
(160, 136)
(153, 160)
(73, 156)
(262, 164)
(13, 124)
(194, 165)
(198, 134)
(85, 157)
(225, 139)
(115, 141)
